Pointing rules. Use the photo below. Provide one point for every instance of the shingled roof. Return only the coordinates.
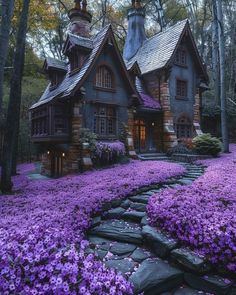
(54, 63)
(71, 81)
(79, 41)
(156, 52)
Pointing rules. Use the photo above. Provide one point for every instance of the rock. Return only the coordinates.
(189, 260)
(188, 291)
(140, 199)
(184, 181)
(115, 213)
(116, 203)
(211, 284)
(155, 276)
(160, 243)
(140, 254)
(138, 206)
(96, 221)
(95, 241)
(106, 206)
(122, 248)
(124, 266)
(119, 231)
(148, 193)
(125, 204)
(144, 220)
(101, 253)
(134, 215)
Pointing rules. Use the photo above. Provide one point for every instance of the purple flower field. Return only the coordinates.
(42, 229)
(203, 215)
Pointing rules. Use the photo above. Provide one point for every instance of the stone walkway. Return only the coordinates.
(151, 260)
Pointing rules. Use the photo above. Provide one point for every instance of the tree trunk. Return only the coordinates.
(215, 55)
(224, 129)
(13, 112)
(7, 8)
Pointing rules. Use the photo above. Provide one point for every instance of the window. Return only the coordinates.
(181, 89)
(60, 120)
(104, 78)
(76, 60)
(40, 122)
(183, 127)
(181, 57)
(105, 120)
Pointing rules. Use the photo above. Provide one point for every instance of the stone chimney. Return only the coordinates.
(80, 19)
(136, 31)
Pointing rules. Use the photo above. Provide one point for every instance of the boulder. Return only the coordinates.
(140, 254)
(138, 206)
(122, 248)
(114, 213)
(159, 242)
(190, 260)
(125, 204)
(119, 231)
(155, 276)
(134, 215)
(209, 283)
(124, 265)
(140, 199)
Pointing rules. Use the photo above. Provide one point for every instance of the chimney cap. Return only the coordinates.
(80, 10)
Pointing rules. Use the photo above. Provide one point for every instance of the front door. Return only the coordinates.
(140, 135)
(56, 166)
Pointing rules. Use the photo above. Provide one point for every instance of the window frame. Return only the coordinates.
(103, 87)
(181, 96)
(98, 118)
(180, 53)
(186, 127)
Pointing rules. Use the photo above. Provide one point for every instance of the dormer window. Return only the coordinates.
(56, 78)
(104, 78)
(181, 57)
(76, 60)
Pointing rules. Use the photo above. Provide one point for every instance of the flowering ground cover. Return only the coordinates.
(42, 227)
(203, 215)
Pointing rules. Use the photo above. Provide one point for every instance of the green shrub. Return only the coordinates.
(180, 148)
(205, 144)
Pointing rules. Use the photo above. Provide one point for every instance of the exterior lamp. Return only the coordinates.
(153, 124)
(63, 154)
(48, 152)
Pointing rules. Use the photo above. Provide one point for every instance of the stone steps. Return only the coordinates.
(153, 261)
(153, 157)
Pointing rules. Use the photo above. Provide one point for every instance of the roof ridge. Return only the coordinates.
(101, 31)
(163, 32)
(80, 37)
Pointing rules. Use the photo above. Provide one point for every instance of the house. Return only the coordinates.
(155, 89)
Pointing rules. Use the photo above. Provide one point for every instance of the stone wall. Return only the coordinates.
(196, 115)
(159, 90)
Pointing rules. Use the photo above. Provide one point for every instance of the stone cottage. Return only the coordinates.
(155, 89)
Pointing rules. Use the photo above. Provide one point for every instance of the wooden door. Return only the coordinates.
(140, 135)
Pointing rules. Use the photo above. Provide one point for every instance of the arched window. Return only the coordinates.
(183, 127)
(104, 78)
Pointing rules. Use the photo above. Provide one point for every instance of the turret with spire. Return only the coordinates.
(136, 31)
(80, 19)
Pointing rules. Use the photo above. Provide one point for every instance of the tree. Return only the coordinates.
(7, 8)
(13, 112)
(221, 42)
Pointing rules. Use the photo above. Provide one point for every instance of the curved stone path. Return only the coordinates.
(151, 260)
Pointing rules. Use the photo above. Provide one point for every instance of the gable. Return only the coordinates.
(71, 83)
(158, 51)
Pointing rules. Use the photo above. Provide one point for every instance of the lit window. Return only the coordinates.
(105, 120)
(104, 78)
